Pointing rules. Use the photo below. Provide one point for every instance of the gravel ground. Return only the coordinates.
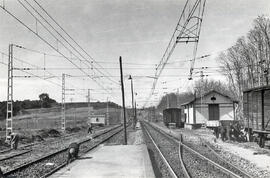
(169, 149)
(42, 149)
(240, 154)
(194, 166)
(117, 139)
(159, 167)
(139, 137)
(135, 137)
(40, 168)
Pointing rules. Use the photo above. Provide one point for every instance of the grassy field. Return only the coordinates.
(36, 119)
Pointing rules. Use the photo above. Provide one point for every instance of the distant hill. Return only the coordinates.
(95, 105)
(21, 107)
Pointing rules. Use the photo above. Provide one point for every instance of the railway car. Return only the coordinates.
(173, 116)
(256, 103)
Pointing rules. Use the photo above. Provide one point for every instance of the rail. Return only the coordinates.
(166, 162)
(223, 169)
(48, 156)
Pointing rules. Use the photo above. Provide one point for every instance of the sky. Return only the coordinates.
(139, 31)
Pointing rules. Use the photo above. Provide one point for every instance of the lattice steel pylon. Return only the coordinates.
(187, 30)
(107, 113)
(63, 106)
(89, 106)
(9, 115)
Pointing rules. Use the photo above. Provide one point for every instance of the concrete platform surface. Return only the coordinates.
(120, 161)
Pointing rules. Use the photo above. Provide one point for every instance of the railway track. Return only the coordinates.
(30, 150)
(49, 140)
(206, 149)
(194, 162)
(24, 149)
(25, 146)
(50, 163)
(173, 163)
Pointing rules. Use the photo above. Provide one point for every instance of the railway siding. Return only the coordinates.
(217, 165)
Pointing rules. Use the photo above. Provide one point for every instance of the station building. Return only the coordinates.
(209, 109)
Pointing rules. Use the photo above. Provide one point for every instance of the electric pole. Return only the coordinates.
(9, 115)
(89, 106)
(63, 110)
(132, 100)
(167, 98)
(108, 118)
(123, 101)
(177, 98)
(135, 121)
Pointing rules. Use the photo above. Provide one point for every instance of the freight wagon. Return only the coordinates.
(173, 116)
(256, 102)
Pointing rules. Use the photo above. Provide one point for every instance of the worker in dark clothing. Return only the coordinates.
(1, 174)
(228, 132)
(14, 140)
(90, 128)
(73, 151)
(216, 132)
(223, 133)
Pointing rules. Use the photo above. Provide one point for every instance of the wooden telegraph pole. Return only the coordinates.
(123, 100)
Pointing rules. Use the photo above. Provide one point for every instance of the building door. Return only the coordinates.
(213, 112)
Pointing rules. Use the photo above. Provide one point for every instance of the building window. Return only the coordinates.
(213, 98)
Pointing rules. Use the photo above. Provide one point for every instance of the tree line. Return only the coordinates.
(246, 64)
(175, 100)
(44, 102)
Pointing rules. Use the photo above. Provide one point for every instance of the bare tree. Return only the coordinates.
(246, 64)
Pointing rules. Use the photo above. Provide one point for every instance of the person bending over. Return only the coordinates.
(73, 151)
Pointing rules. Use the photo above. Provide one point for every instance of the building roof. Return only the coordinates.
(168, 109)
(267, 87)
(205, 94)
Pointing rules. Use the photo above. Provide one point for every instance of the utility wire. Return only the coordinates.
(60, 42)
(57, 33)
(35, 76)
(22, 61)
(45, 41)
(67, 33)
(41, 77)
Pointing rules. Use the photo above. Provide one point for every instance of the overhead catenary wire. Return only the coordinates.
(126, 63)
(31, 75)
(182, 31)
(108, 68)
(23, 61)
(67, 33)
(66, 48)
(112, 68)
(46, 42)
(57, 33)
(51, 75)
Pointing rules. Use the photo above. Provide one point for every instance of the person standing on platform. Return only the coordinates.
(73, 151)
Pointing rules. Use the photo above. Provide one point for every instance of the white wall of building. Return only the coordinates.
(189, 114)
(202, 114)
(226, 112)
(98, 119)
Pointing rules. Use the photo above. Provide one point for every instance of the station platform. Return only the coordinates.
(118, 161)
